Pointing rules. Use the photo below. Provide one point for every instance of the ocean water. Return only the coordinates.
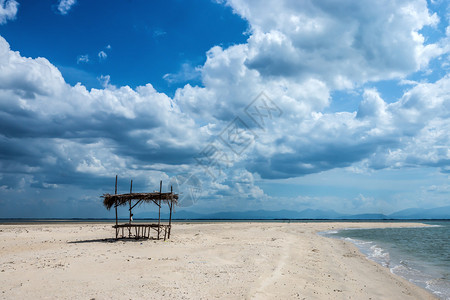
(421, 255)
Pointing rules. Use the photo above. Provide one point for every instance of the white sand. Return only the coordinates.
(200, 261)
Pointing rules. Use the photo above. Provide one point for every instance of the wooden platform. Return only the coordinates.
(139, 231)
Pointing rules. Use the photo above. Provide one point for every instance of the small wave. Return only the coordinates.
(439, 287)
(405, 256)
(372, 251)
(330, 233)
(379, 255)
(403, 268)
(406, 271)
(358, 242)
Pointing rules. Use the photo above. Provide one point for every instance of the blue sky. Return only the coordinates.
(248, 104)
(142, 40)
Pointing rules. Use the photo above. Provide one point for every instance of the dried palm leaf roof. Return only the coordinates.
(122, 199)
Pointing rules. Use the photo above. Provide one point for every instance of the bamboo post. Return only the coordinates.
(170, 208)
(131, 215)
(129, 202)
(117, 221)
(159, 213)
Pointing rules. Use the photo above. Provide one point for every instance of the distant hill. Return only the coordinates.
(307, 214)
(365, 217)
(251, 214)
(420, 213)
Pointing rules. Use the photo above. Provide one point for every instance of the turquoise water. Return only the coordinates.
(421, 255)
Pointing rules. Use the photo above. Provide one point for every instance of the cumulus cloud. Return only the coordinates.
(371, 106)
(230, 86)
(25, 76)
(64, 6)
(8, 10)
(73, 133)
(298, 53)
(343, 43)
(405, 133)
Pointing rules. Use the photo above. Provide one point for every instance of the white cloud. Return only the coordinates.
(104, 80)
(102, 55)
(298, 53)
(411, 132)
(343, 44)
(65, 5)
(372, 105)
(230, 86)
(8, 10)
(85, 132)
(187, 73)
(83, 59)
(25, 76)
(158, 33)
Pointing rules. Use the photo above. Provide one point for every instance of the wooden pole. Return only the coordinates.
(170, 208)
(129, 201)
(131, 215)
(115, 193)
(159, 213)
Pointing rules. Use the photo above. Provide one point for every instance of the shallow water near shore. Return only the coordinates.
(421, 255)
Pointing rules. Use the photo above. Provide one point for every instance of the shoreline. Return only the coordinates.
(201, 260)
(391, 251)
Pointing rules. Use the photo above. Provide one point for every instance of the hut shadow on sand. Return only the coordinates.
(141, 230)
(109, 240)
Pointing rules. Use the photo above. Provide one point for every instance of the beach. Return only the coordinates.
(240, 260)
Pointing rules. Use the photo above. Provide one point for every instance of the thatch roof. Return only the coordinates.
(122, 199)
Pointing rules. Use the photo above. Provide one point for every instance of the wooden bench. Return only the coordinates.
(138, 231)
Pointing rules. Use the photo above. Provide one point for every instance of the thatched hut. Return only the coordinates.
(133, 199)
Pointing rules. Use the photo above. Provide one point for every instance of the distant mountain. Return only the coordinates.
(252, 214)
(421, 213)
(365, 217)
(318, 214)
(307, 214)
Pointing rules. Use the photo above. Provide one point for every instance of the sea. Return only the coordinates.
(420, 254)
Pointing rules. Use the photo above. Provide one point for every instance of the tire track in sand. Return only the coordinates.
(262, 291)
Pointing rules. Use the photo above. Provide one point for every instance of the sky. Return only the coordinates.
(237, 104)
